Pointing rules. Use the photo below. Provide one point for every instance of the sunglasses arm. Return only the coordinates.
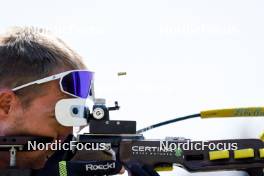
(41, 81)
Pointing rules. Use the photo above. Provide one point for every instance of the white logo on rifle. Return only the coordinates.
(93, 167)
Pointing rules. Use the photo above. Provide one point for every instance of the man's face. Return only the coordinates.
(38, 120)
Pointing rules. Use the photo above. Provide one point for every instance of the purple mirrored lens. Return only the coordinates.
(78, 83)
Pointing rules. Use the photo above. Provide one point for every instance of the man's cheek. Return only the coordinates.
(35, 159)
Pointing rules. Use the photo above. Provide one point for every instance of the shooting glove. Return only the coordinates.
(137, 169)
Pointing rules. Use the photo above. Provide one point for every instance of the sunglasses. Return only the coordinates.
(77, 83)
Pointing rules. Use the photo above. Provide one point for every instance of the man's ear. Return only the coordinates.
(7, 98)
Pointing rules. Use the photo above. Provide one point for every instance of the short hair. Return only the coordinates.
(28, 54)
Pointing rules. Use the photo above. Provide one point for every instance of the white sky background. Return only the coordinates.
(180, 56)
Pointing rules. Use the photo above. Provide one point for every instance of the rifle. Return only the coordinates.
(125, 143)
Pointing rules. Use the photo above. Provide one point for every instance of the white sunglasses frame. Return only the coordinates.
(55, 77)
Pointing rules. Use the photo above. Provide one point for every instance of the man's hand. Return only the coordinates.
(137, 169)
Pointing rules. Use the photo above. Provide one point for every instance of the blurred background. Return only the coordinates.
(181, 57)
